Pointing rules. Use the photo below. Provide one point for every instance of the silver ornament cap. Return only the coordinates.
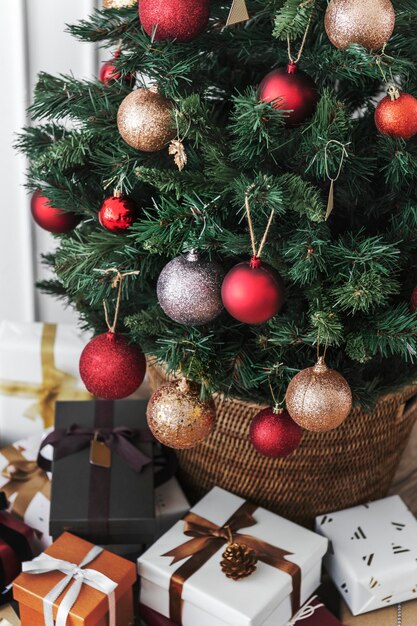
(189, 289)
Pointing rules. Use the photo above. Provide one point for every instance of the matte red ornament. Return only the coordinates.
(182, 20)
(396, 114)
(111, 368)
(294, 91)
(253, 292)
(117, 213)
(413, 301)
(49, 218)
(274, 433)
(110, 73)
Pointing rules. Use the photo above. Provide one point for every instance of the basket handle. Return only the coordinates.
(408, 408)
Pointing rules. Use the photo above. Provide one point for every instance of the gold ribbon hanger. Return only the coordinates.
(55, 385)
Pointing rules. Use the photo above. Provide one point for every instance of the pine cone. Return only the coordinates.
(239, 561)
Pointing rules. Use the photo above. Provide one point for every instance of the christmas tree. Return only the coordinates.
(330, 191)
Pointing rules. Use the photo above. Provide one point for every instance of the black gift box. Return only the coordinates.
(79, 488)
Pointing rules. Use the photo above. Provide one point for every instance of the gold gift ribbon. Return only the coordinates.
(55, 384)
(26, 479)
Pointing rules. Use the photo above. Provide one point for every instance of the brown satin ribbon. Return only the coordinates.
(208, 538)
(55, 384)
(26, 479)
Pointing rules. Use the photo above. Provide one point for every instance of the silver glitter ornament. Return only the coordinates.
(189, 289)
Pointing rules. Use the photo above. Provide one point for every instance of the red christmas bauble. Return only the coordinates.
(111, 368)
(110, 73)
(182, 20)
(49, 218)
(413, 301)
(253, 292)
(117, 214)
(274, 433)
(396, 114)
(294, 91)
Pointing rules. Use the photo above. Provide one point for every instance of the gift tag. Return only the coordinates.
(100, 454)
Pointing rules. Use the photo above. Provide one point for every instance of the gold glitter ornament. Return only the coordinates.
(145, 121)
(119, 4)
(177, 417)
(319, 398)
(369, 23)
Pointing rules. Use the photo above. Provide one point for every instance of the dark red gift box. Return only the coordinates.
(16, 545)
(313, 613)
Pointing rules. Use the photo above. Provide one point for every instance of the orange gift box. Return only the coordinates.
(92, 606)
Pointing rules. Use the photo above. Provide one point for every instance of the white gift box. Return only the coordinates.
(209, 597)
(32, 375)
(372, 556)
(170, 505)
(37, 505)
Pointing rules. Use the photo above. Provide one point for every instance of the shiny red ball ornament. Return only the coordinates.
(182, 20)
(117, 213)
(111, 368)
(49, 218)
(274, 433)
(294, 91)
(110, 73)
(253, 292)
(413, 301)
(396, 114)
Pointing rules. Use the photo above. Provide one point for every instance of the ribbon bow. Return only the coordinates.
(306, 611)
(25, 479)
(55, 384)
(208, 538)
(44, 564)
(67, 441)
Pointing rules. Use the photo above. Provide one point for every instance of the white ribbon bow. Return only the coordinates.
(305, 612)
(44, 564)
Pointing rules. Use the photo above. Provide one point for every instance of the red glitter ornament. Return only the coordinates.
(274, 433)
(49, 218)
(293, 90)
(253, 292)
(413, 302)
(111, 368)
(396, 114)
(182, 20)
(110, 73)
(117, 213)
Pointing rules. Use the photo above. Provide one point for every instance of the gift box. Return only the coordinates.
(372, 554)
(182, 577)
(27, 486)
(102, 478)
(17, 544)
(406, 615)
(170, 505)
(38, 365)
(313, 613)
(76, 583)
(8, 616)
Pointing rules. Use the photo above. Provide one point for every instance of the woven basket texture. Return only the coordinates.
(328, 472)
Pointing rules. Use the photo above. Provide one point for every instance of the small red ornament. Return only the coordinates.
(182, 20)
(396, 114)
(274, 433)
(49, 218)
(253, 292)
(413, 301)
(294, 91)
(111, 368)
(117, 213)
(110, 73)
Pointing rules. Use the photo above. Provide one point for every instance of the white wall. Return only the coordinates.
(32, 40)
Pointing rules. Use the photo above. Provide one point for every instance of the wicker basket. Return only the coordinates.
(330, 471)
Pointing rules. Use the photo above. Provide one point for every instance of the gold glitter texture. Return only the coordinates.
(369, 23)
(177, 417)
(144, 120)
(319, 398)
(119, 4)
